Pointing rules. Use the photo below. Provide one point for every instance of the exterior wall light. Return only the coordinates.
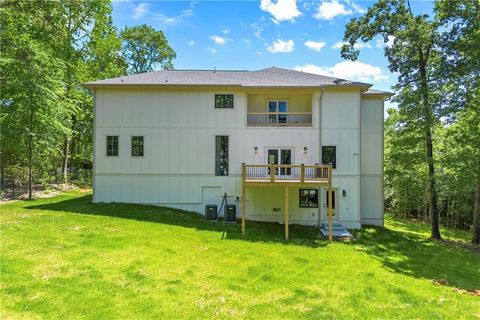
(255, 149)
(305, 150)
(344, 193)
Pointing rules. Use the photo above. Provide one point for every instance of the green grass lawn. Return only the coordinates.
(65, 257)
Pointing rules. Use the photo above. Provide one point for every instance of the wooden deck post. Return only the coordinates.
(286, 213)
(243, 198)
(330, 217)
(272, 173)
(302, 173)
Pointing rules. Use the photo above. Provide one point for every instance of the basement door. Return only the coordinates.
(324, 203)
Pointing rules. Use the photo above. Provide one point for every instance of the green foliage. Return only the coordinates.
(66, 256)
(145, 49)
(414, 56)
(49, 48)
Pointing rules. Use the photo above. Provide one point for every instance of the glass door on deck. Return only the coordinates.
(285, 158)
(273, 159)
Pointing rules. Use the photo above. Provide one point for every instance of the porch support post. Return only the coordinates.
(286, 213)
(244, 195)
(330, 213)
(330, 218)
(243, 208)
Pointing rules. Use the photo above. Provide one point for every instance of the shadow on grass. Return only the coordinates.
(401, 252)
(415, 255)
(256, 231)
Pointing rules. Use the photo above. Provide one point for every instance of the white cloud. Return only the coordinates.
(327, 10)
(246, 41)
(140, 10)
(358, 45)
(218, 40)
(212, 50)
(282, 10)
(315, 45)
(257, 30)
(225, 31)
(174, 20)
(356, 8)
(381, 44)
(281, 46)
(191, 43)
(354, 70)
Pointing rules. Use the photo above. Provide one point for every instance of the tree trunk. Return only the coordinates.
(65, 159)
(30, 153)
(476, 216)
(435, 230)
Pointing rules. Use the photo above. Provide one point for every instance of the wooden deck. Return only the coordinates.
(286, 176)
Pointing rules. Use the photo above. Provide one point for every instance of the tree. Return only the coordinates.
(412, 55)
(86, 28)
(460, 76)
(145, 49)
(31, 110)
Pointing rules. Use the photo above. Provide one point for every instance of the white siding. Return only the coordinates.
(371, 210)
(340, 127)
(178, 166)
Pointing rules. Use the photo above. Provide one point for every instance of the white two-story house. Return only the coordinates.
(266, 138)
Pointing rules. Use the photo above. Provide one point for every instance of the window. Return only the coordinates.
(112, 146)
(329, 155)
(137, 146)
(308, 198)
(221, 155)
(223, 101)
(276, 107)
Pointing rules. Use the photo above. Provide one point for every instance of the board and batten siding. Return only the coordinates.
(179, 129)
(371, 185)
(339, 126)
(178, 167)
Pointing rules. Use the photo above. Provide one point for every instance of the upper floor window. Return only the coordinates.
(137, 146)
(221, 155)
(329, 155)
(112, 146)
(278, 109)
(223, 101)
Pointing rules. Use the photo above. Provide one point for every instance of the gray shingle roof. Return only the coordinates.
(270, 77)
(374, 92)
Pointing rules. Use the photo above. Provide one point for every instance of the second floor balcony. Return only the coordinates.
(278, 110)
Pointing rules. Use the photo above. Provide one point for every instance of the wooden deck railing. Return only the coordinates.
(286, 173)
(279, 118)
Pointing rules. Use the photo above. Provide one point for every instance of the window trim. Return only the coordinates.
(308, 197)
(106, 145)
(334, 167)
(228, 155)
(131, 146)
(223, 94)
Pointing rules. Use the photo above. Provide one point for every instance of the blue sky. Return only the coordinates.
(302, 35)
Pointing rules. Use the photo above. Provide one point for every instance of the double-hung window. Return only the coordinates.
(137, 146)
(112, 146)
(329, 155)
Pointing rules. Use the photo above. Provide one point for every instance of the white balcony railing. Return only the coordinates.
(279, 118)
